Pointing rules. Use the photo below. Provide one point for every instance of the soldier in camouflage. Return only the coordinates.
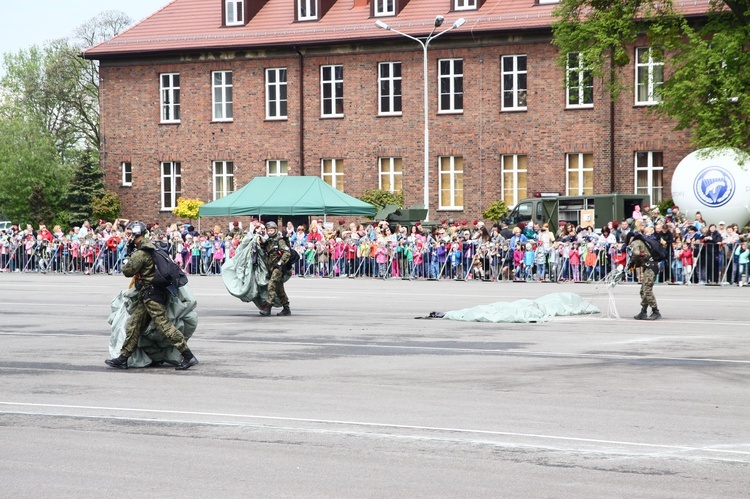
(641, 257)
(151, 302)
(278, 254)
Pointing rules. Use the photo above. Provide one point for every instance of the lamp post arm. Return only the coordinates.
(407, 36)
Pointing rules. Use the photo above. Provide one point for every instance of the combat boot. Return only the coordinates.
(120, 362)
(188, 361)
(265, 311)
(285, 311)
(643, 315)
(654, 315)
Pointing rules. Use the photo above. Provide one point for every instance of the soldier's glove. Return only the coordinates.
(125, 261)
(278, 265)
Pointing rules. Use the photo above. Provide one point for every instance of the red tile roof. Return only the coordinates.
(186, 25)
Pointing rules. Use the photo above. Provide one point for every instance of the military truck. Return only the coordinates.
(593, 210)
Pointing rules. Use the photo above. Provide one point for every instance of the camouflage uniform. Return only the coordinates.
(151, 303)
(641, 257)
(278, 254)
(648, 277)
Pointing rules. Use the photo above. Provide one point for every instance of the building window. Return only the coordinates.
(276, 94)
(514, 172)
(170, 97)
(221, 82)
(391, 174)
(223, 178)
(389, 88)
(547, 2)
(277, 168)
(384, 7)
(579, 81)
(332, 172)
(580, 174)
(234, 14)
(649, 76)
(465, 5)
(649, 175)
(171, 184)
(451, 85)
(513, 82)
(127, 173)
(307, 10)
(332, 91)
(451, 183)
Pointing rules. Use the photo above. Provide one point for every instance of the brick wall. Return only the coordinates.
(481, 134)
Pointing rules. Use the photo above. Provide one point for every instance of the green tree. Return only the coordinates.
(380, 198)
(54, 85)
(707, 87)
(107, 206)
(187, 208)
(495, 211)
(87, 184)
(32, 178)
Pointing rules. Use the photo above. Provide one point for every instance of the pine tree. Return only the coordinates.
(87, 184)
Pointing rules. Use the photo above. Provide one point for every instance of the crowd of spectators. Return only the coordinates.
(697, 252)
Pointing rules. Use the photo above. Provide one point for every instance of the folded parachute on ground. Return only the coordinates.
(542, 309)
(152, 345)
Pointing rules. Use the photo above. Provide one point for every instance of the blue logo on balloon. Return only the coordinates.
(714, 186)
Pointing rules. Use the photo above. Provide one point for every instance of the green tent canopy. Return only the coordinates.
(287, 196)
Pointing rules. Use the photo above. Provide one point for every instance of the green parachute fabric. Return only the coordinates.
(542, 309)
(246, 275)
(152, 346)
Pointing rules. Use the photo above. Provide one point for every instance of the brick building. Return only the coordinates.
(204, 95)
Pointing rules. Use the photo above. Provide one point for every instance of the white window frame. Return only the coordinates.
(222, 95)
(515, 171)
(169, 97)
(335, 85)
(335, 178)
(276, 94)
(223, 176)
(387, 169)
(652, 83)
(277, 168)
(384, 8)
(393, 96)
(452, 79)
(580, 171)
(453, 172)
(581, 78)
(234, 12)
(307, 10)
(126, 168)
(465, 5)
(652, 168)
(516, 91)
(170, 171)
(547, 2)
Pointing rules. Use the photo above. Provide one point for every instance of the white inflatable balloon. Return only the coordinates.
(714, 184)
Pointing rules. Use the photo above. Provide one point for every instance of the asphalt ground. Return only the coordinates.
(353, 397)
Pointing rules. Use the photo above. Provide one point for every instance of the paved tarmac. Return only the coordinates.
(353, 397)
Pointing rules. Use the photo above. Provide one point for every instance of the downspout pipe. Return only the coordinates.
(612, 163)
(301, 111)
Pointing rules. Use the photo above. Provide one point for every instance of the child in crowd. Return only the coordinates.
(309, 259)
(676, 265)
(590, 261)
(686, 258)
(540, 260)
(528, 261)
(575, 263)
(518, 262)
(554, 261)
(743, 252)
(456, 257)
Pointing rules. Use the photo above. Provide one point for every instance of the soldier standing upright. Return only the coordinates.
(278, 254)
(641, 256)
(151, 301)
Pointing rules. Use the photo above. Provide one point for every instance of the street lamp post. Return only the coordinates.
(425, 43)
